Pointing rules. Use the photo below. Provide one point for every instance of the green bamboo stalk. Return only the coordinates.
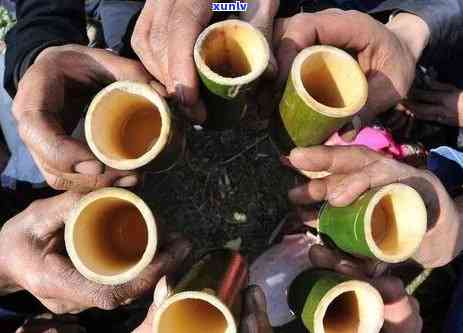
(130, 126)
(386, 223)
(325, 89)
(313, 293)
(230, 57)
(217, 279)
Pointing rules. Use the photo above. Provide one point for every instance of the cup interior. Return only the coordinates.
(125, 125)
(110, 236)
(342, 315)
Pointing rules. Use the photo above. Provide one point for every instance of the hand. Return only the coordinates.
(387, 58)
(32, 258)
(401, 312)
(48, 323)
(254, 317)
(442, 103)
(164, 38)
(356, 169)
(50, 100)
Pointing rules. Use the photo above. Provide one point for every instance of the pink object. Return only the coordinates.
(374, 138)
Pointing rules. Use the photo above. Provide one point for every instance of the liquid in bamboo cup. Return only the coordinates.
(230, 58)
(207, 299)
(325, 89)
(386, 223)
(328, 302)
(111, 236)
(129, 125)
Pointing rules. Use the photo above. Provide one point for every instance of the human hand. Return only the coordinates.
(354, 169)
(49, 323)
(32, 257)
(49, 103)
(383, 52)
(254, 316)
(401, 311)
(442, 103)
(165, 35)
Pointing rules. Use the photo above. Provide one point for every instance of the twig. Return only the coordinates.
(418, 281)
(231, 159)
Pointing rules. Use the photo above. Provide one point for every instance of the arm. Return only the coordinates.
(41, 23)
(442, 17)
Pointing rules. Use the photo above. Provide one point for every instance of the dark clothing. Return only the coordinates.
(42, 23)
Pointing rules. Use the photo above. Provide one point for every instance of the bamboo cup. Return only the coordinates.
(207, 299)
(386, 223)
(325, 89)
(129, 125)
(328, 302)
(230, 57)
(111, 236)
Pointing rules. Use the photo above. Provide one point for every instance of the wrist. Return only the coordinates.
(412, 31)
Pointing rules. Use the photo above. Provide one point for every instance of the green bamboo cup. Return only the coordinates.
(207, 299)
(230, 58)
(328, 302)
(325, 88)
(386, 223)
(129, 126)
(111, 236)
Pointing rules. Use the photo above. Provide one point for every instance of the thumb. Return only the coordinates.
(118, 68)
(52, 213)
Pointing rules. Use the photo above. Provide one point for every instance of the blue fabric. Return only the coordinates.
(447, 164)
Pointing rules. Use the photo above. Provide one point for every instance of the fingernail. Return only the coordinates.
(91, 168)
(334, 194)
(127, 181)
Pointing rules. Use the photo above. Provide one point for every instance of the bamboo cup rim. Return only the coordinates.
(370, 306)
(196, 295)
(411, 221)
(356, 76)
(256, 70)
(140, 90)
(151, 228)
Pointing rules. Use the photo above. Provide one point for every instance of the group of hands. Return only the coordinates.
(33, 257)
(62, 79)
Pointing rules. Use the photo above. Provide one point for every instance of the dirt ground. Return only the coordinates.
(230, 186)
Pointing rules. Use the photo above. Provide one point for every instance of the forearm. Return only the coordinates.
(41, 23)
(443, 17)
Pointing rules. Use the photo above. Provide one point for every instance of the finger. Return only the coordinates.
(156, 40)
(261, 14)
(254, 300)
(430, 112)
(322, 257)
(309, 217)
(256, 323)
(440, 86)
(49, 215)
(164, 264)
(428, 96)
(391, 289)
(188, 19)
(334, 159)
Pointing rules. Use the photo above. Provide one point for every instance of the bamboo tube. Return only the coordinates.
(111, 236)
(230, 57)
(207, 299)
(129, 125)
(325, 89)
(386, 223)
(328, 302)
